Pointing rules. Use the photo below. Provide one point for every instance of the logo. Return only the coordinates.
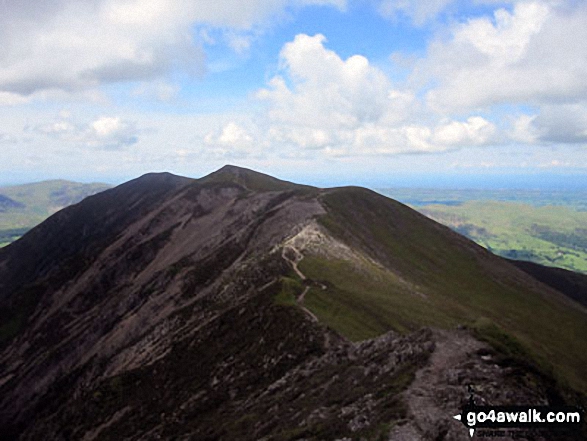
(520, 417)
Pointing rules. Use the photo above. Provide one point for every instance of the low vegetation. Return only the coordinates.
(433, 278)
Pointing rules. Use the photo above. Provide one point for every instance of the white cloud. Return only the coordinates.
(475, 131)
(531, 55)
(230, 135)
(320, 102)
(72, 45)
(239, 43)
(565, 124)
(523, 129)
(12, 99)
(317, 106)
(555, 163)
(554, 124)
(57, 128)
(110, 133)
(327, 92)
(105, 132)
(231, 141)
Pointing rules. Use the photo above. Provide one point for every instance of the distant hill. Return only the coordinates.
(548, 235)
(242, 307)
(24, 206)
(7, 204)
(541, 226)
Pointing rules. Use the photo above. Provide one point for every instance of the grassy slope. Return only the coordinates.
(554, 236)
(447, 280)
(40, 200)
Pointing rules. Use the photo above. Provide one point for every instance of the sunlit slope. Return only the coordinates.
(549, 235)
(425, 274)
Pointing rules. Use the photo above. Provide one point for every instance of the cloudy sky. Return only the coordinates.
(372, 92)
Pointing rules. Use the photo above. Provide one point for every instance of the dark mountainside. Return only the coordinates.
(239, 306)
(568, 282)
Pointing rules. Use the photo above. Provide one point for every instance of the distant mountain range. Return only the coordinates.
(24, 206)
(242, 307)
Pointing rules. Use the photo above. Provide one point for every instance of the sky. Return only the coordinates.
(379, 93)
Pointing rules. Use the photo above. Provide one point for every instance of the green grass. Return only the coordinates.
(362, 304)
(549, 235)
(290, 288)
(434, 278)
(528, 366)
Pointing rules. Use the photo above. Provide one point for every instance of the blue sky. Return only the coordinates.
(329, 92)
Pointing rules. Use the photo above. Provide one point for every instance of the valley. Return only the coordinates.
(24, 206)
(542, 227)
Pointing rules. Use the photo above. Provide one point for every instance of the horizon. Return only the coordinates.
(440, 182)
(321, 91)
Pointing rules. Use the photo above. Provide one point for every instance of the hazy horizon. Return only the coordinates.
(537, 182)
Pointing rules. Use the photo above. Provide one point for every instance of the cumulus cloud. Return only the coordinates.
(523, 129)
(530, 55)
(351, 91)
(111, 132)
(553, 124)
(320, 102)
(231, 141)
(71, 45)
(105, 132)
(475, 131)
(562, 124)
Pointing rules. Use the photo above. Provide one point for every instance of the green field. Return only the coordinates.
(549, 235)
(546, 227)
(28, 205)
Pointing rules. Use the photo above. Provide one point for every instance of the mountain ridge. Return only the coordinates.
(174, 284)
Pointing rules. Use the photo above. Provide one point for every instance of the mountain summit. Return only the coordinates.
(240, 306)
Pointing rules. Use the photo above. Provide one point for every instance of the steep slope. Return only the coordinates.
(425, 274)
(225, 308)
(573, 285)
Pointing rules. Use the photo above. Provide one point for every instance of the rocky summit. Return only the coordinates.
(242, 307)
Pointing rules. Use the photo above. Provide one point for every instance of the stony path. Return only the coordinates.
(294, 264)
(436, 393)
